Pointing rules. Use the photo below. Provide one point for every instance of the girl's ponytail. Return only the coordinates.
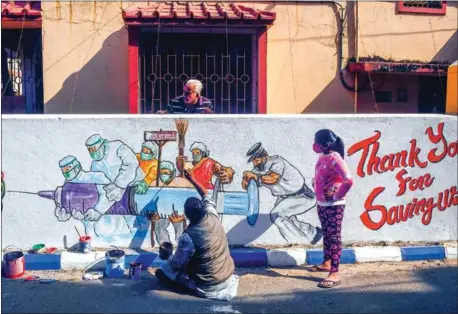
(339, 147)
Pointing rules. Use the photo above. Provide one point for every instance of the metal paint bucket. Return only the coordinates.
(85, 244)
(13, 264)
(135, 271)
(114, 264)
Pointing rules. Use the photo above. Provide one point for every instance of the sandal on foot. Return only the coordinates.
(332, 283)
(318, 269)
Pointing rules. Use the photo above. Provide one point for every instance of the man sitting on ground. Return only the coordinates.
(202, 262)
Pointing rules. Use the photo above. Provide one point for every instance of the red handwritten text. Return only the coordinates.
(385, 163)
(400, 213)
(421, 182)
(447, 149)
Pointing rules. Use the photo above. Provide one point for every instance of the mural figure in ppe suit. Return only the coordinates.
(119, 164)
(73, 172)
(147, 171)
(117, 161)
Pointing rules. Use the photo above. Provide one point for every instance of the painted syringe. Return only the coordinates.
(81, 197)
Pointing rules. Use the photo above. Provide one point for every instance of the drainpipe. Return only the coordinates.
(340, 22)
(355, 105)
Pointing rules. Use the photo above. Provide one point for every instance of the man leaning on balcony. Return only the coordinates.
(191, 102)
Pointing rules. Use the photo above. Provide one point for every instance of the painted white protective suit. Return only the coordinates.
(120, 165)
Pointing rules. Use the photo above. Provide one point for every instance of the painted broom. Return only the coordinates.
(182, 127)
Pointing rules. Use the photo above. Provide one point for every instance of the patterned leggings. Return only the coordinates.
(331, 222)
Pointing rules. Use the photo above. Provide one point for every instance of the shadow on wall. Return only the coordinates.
(243, 234)
(101, 85)
(334, 98)
(449, 51)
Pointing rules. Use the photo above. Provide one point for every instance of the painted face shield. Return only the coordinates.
(71, 173)
(165, 176)
(97, 152)
(146, 154)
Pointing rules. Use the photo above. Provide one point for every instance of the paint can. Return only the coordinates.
(165, 250)
(135, 271)
(114, 263)
(85, 244)
(13, 264)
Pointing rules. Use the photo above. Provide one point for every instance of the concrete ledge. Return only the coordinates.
(43, 261)
(250, 257)
(70, 260)
(378, 254)
(286, 257)
(451, 252)
(422, 253)
(316, 256)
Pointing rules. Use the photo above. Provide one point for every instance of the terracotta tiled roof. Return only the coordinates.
(21, 9)
(197, 12)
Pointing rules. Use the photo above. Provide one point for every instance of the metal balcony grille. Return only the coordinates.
(22, 71)
(423, 4)
(223, 63)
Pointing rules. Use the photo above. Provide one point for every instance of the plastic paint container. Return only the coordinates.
(135, 271)
(85, 244)
(114, 264)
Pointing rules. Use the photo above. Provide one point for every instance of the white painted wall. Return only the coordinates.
(32, 147)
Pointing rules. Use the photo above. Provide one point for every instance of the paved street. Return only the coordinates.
(420, 287)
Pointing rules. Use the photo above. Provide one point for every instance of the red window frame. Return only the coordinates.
(134, 81)
(402, 8)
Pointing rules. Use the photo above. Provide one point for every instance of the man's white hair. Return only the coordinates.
(195, 85)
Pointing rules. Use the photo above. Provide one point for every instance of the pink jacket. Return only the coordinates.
(332, 174)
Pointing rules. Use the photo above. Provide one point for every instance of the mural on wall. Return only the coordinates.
(371, 164)
(287, 184)
(121, 182)
(123, 190)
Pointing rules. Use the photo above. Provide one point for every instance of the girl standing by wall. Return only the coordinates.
(332, 182)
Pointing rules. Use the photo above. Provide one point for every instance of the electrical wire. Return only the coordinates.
(291, 57)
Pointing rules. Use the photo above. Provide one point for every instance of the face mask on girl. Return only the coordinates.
(317, 148)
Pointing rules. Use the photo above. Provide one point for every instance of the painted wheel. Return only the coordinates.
(253, 203)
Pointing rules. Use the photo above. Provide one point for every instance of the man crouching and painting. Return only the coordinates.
(202, 263)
